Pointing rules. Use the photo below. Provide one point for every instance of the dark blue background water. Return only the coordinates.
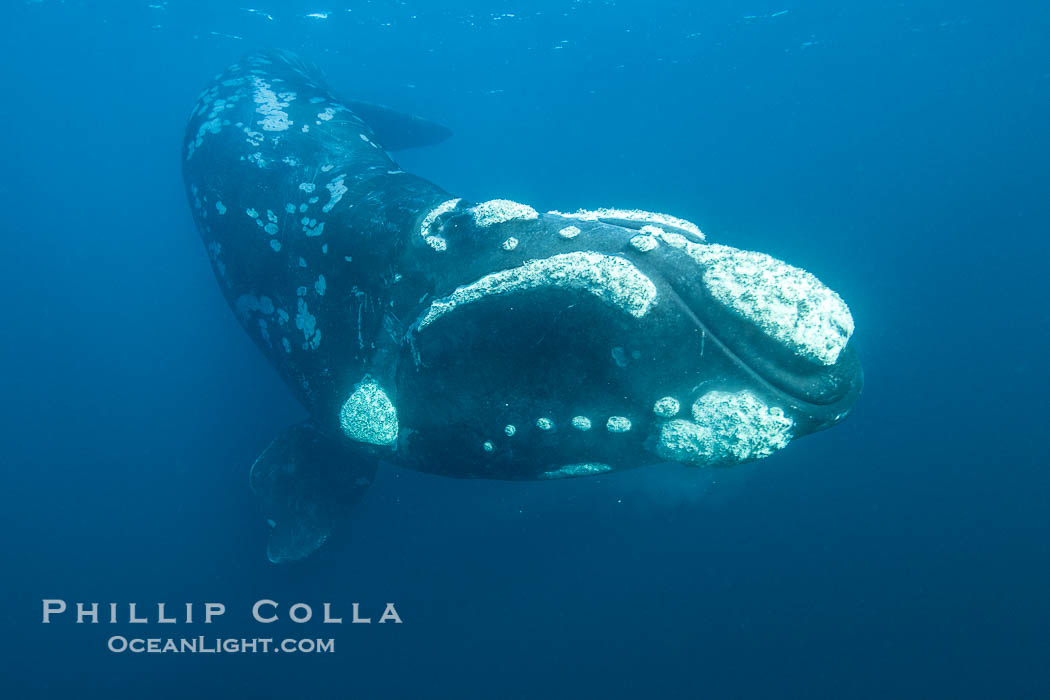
(898, 150)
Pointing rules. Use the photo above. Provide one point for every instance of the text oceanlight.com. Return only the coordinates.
(218, 645)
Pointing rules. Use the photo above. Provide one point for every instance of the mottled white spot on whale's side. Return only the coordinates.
(498, 211)
(544, 423)
(320, 285)
(369, 415)
(307, 187)
(569, 232)
(510, 430)
(271, 106)
(488, 446)
(326, 115)
(510, 244)
(618, 424)
(307, 323)
(573, 470)
(336, 189)
(612, 279)
(276, 245)
(220, 207)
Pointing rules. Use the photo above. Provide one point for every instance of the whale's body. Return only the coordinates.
(482, 340)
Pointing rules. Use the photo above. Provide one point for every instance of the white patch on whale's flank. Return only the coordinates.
(252, 213)
(282, 316)
(510, 244)
(276, 245)
(271, 229)
(320, 285)
(569, 232)
(302, 262)
(336, 189)
(581, 423)
(728, 428)
(618, 424)
(497, 211)
(270, 216)
(369, 415)
(254, 139)
(303, 207)
(571, 470)
(290, 208)
(307, 187)
(644, 242)
(307, 322)
(324, 249)
(632, 217)
(326, 115)
(248, 303)
(510, 430)
(788, 304)
(488, 446)
(614, 280)
(215, 250)
(220, 207)
(544, 423)
(286, 345)
(667, 407)
(436, 242)
(312, 228)
(271, 106)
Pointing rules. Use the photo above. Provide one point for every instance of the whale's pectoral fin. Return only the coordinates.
(397, 130)
(307, 481)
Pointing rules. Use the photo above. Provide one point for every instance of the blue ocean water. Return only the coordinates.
(897, 150)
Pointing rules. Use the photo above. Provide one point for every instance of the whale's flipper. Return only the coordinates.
(307, 481)
(397, 130)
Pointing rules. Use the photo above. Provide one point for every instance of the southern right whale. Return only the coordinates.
(482, 339)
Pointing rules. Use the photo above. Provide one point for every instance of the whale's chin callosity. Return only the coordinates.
(727, 428)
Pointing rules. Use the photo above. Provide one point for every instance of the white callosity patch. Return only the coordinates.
(498, 211)
(369, 415)
(569, 232)
(571, 470)
(544, 423)
(644, 242)
(510, 430)
(618, 424)
(633, 217)
(612, 279)
(728, 428)
(271, 106)
(436, 242)
(510, 244)
(667, 407)
(488, 446)
(581, 423)
(787, 303)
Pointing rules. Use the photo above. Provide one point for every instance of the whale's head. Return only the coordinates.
(557, 344)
